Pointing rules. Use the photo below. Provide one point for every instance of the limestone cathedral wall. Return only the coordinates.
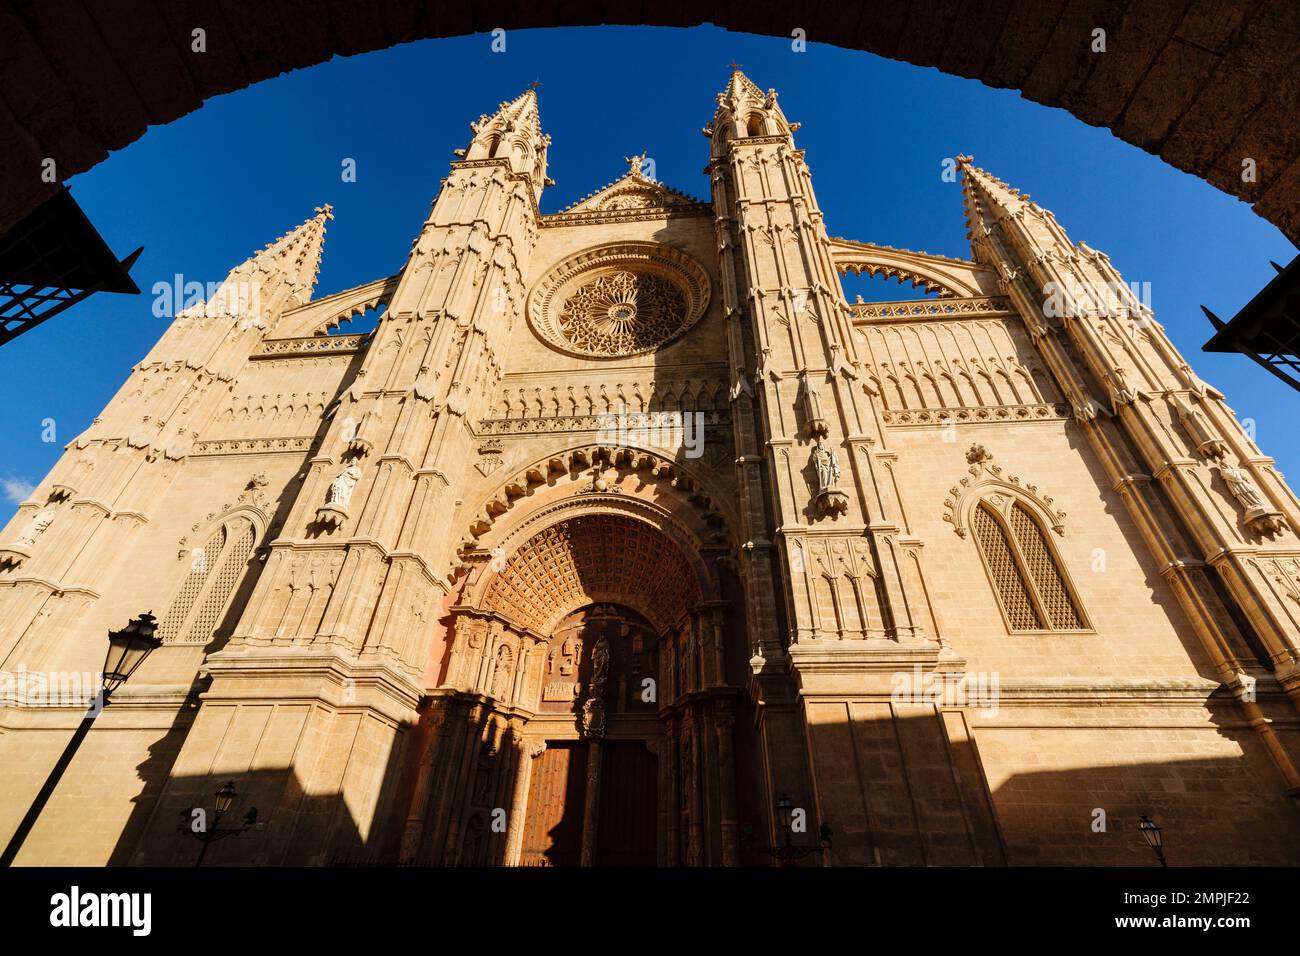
(1061, 515)
(1125, 715)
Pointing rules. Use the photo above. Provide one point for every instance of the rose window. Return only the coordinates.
(619, 300)
(621, 312)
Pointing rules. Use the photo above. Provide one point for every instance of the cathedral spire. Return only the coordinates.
(514, 133)
(741, 91)
(296, 255)
(745, 111)
(987, 199)
(279, 276)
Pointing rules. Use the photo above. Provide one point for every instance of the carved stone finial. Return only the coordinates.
(977, 454)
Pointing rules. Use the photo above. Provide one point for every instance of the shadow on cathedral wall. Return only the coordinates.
(1211, 812)
(905, 804)
(1241, 638)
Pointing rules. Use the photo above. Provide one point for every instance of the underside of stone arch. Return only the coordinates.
(590, 559)
(1202, 91)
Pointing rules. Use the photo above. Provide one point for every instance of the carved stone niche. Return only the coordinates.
(21, 547)
(360, 438)
(812, 407)
(1258, 512)
(829, 499)
(334, 512)
(1208, 445)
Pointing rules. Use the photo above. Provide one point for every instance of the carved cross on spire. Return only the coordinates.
(535, 85)
(326, 210)
(735, 66)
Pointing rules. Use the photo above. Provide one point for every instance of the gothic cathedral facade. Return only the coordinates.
(625, 538)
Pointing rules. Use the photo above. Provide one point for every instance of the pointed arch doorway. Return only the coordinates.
(585, 715)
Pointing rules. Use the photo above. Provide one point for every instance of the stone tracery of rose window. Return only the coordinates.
(620, 299)
(620, 313)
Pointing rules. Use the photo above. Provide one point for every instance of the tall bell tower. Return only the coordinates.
(342, 614)
(828, 554)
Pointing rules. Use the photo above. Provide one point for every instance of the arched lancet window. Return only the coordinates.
(1030, 587)
(215, 571)
(755, 125)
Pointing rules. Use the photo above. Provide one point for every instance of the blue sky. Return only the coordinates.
(204, 192)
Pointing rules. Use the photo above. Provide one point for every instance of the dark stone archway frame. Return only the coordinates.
(1204, 85)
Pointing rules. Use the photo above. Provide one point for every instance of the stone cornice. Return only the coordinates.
(265, 675)
(969, 307)
(600, 217)
(252, 446)
(580, 423)
(978, 415)
(312, 346)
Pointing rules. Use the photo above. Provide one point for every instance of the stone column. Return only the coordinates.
(413, 831)
(724, 724)
(519, 806)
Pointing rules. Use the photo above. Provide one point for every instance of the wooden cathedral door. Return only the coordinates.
(553, 828)
(627, 834)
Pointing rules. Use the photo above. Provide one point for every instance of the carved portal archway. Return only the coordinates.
(585, 714)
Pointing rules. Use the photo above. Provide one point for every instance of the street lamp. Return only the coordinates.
(785, 813)
(1151, 833)
(787, 852)
(222, 801)
(127, 650)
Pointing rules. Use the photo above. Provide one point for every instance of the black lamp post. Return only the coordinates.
(127, 650)
(1151, 833)
(222, 801)
(787, 852)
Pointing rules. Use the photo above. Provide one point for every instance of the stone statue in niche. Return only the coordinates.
(340, 489)
(1259, 515)
(501, 679)
(599, 663)
(337, 496)
(1242, 488)
(829, 499)
(593, 708)
(827, 465)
